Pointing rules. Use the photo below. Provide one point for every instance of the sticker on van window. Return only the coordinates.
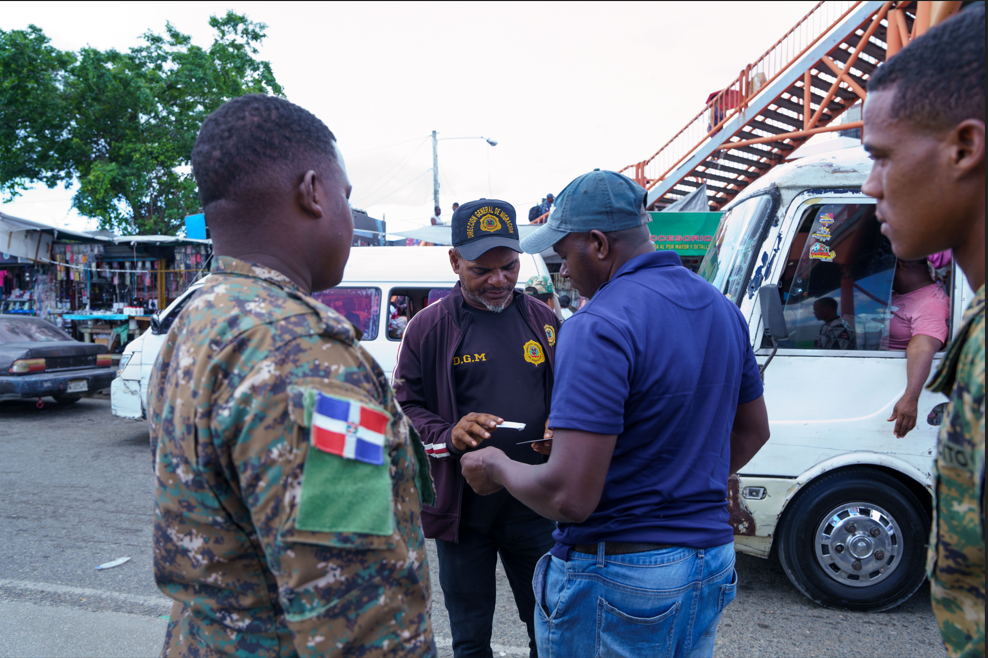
(827, 219)
(823, 234)
(820, 251)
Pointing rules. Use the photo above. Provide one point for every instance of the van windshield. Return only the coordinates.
(728, 261)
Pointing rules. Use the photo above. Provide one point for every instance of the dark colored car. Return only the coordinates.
(38, 359)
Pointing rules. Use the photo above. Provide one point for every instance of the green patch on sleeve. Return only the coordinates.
(344, 495)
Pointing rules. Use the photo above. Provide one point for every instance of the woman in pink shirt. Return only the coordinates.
(920, 312)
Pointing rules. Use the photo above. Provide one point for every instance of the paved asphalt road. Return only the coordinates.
(75, 492)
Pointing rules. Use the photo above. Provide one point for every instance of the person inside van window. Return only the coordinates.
(919, 325)
(398, 313)
(836, 333)
(348, 309)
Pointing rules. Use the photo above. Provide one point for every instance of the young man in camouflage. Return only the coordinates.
(925, 129)
(288, 488)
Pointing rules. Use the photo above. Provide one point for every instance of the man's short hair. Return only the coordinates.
(635, 236)
(254, 136)
(829, 302)
(939, 79)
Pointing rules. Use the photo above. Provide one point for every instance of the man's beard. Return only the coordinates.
(493, 308)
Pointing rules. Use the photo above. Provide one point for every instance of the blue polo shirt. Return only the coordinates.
(662, 359)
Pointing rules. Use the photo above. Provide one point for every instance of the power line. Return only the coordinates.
(378, 148)
(414, 190)
(373, 188)
(446, 178)
(368, 205)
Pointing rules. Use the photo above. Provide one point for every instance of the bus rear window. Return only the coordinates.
(361, 306)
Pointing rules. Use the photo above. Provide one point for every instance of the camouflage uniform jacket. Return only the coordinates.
(231, 400)
(956, 564)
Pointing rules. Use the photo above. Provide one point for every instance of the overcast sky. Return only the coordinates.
(562, 87)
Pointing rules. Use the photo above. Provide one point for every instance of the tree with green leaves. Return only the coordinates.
(121, 125)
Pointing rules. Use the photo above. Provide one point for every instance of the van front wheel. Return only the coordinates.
(855, 540)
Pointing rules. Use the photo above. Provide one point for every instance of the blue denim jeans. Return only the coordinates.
(654, 604)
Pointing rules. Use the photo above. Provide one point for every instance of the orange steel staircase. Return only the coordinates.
(799, 88)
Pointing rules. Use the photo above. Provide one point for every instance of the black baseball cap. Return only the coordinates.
(481, 225)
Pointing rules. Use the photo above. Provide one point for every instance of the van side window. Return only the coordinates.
(838, 280)
(404, 303)
(361, 306)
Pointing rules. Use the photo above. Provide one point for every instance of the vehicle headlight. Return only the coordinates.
(124, 360)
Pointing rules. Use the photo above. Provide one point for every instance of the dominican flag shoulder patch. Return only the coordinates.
(349, 429)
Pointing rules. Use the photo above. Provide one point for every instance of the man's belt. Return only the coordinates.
(619, 548)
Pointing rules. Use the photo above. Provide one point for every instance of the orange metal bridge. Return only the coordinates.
(799, 88)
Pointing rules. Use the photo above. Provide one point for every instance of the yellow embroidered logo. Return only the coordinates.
(550, 333)
(489, 218)
(466, 358)
(533, 352)
(490, 223)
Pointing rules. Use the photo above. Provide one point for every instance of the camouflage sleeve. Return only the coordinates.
(979, 441)
(355, 579)
(957, 583)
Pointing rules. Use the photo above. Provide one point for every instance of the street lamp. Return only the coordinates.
(435, 162)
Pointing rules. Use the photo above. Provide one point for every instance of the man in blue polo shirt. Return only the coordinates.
(657, 400)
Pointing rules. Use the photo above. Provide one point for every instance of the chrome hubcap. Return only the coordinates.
(858, 544)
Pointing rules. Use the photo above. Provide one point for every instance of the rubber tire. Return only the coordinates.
(803, 515)
(67, 399)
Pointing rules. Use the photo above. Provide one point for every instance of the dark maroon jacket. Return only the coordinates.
(423, 383)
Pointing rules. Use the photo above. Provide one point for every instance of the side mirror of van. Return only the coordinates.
(772, 316)
(772, 319)
(156, 327)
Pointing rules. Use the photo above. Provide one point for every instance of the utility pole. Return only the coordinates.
(435, 169)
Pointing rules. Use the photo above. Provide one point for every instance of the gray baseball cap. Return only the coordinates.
(602, 200)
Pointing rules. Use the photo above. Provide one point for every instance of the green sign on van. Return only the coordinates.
(686, 233)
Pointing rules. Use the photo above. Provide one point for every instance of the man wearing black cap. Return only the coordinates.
(658, 400)
(481, 357)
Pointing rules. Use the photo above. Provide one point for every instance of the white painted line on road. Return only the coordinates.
(35, 586)
(84, 591)
(447, 642)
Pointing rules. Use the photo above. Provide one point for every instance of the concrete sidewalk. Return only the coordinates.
(28, 630)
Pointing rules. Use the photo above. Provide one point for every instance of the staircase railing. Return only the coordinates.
(734, 98)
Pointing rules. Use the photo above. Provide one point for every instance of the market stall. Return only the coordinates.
(98, 286)
(15, 286)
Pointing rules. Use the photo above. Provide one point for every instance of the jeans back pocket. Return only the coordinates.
(729, 591)
(620, 634)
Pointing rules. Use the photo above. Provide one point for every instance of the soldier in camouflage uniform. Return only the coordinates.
(925, 129)
(270, 545)
(956, 560)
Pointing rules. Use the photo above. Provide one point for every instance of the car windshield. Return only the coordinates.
(729, 258)
(17, 330)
